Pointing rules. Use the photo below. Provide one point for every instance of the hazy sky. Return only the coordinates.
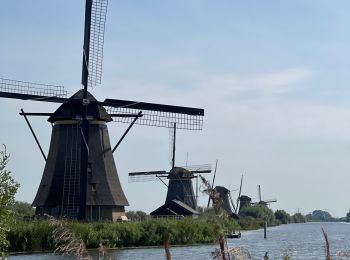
(272, 77)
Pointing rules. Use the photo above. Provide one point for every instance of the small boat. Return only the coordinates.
(233, 235)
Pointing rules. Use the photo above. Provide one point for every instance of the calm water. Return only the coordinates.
(301, 241)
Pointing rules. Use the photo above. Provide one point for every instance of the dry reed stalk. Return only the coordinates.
(344, 254)
(102, 252)
(166, 244)
(66, 243)
(222, 247)
(214, 196)
(328, 253)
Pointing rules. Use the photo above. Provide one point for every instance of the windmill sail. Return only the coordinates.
(157, 114)
(172, 145)
(202, 168)
(97, 29)
(232, 203)
(32, 91)
(147, 176)
(239, 195)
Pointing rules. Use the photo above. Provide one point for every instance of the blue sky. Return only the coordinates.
(272, 77)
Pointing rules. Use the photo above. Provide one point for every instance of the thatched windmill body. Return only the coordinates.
(226, 202)
(80, 179)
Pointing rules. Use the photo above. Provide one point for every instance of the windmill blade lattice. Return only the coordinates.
(171, 144)
(31, 91)
(157, 114)
(147, 176)
(202, 168)
(97, 30)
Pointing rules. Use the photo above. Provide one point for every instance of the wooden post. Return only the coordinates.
(265, 227)
(166, 244)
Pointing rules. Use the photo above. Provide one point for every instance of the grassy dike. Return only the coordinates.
(37, 235)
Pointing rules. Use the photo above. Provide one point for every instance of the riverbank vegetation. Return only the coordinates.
(8, 189)
(21, 232)
(30, 234)
(36, 235)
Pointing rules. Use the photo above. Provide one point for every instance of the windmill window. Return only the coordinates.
(93, 187)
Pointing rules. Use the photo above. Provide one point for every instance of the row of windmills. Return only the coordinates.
(235, 209)
(80, 178)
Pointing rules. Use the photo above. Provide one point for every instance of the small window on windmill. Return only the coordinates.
(93, 187)
(187, 174)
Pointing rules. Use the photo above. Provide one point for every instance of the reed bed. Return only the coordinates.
(37, 235)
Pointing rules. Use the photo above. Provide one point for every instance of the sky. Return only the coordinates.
(271, 75)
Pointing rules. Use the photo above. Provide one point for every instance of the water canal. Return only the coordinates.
(300, 241)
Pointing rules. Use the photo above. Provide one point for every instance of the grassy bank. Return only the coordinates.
(37, 235)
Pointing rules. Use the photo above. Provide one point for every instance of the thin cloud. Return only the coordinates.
(282, 81)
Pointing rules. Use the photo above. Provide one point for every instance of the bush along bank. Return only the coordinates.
(37, 235)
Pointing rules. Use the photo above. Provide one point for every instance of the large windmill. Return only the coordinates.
(181, 199)
(80, 179)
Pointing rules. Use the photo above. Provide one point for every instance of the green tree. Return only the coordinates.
(8, 189)
(259, 211)
(298, 218)
(136, 215)
(282, 216)
(21, 209)
(348, 216)
(319, 215)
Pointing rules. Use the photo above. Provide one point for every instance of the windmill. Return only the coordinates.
(80, 179)
(226, 201)
(180, 199)
(263, 202)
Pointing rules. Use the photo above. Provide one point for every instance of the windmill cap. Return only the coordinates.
(73, 109)
(221, 190)
(180, 173)
(245, 198)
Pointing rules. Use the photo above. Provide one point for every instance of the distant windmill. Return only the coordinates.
(226, 202)
(180, 199)
(80, 179)
(263, 202)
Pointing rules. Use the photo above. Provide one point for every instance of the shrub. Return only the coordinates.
(282, 216)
